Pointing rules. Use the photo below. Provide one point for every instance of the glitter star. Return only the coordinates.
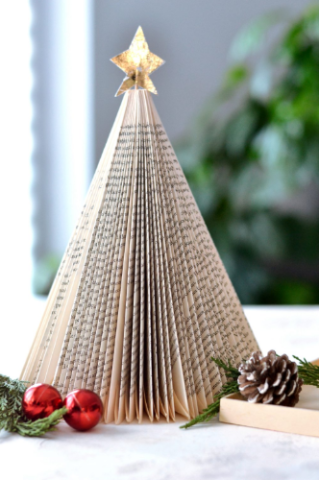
(138, 63)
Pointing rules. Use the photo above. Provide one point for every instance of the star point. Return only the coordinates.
(138, 63)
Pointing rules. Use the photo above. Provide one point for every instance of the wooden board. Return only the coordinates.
(303, 419)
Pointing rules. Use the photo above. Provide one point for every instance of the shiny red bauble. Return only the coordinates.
(40, 400)
(85, 409)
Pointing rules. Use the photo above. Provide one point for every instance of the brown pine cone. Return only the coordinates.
(270, 379)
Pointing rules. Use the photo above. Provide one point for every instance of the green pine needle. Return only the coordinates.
(11, 394)
(227, 389)
(308, 372)
(39, 427)
(12, 418)
(212, 410)
(230, 371)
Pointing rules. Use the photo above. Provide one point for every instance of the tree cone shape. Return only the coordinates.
(141, 300)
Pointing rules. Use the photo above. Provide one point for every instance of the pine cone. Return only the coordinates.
(270, 379)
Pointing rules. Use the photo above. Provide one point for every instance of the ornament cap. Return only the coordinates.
(138, 63)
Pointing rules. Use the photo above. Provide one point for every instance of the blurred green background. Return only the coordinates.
(251, 158)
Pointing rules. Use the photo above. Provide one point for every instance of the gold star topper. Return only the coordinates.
(138, 63)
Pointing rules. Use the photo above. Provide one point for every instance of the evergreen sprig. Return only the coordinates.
(41, 426)
(308, 372)
(11, 394)
(231, 386)
(12, 418)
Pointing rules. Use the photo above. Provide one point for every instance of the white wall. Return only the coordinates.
(15, 148)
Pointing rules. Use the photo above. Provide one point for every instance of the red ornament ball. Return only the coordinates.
(40, 400)
(85, 409)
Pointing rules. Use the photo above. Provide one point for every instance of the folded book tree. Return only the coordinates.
(141, 300)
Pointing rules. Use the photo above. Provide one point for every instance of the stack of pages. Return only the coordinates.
(141, 300)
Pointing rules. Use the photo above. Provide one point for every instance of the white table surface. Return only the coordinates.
(163, 451)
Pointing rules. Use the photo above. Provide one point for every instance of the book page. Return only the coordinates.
(142, 300)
